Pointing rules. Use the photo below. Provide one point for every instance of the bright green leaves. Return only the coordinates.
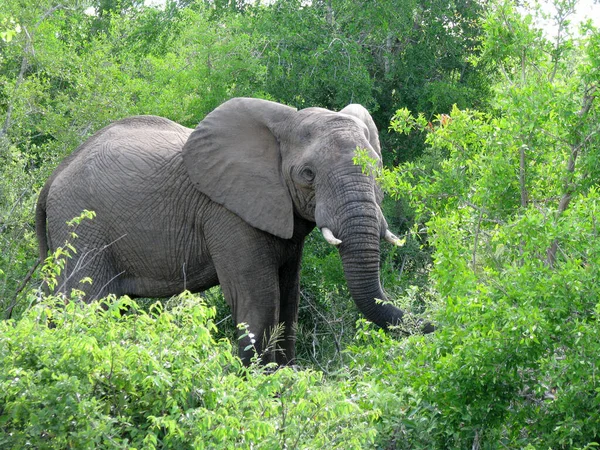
(463, 146)
(404, 122)
(203, 64)
(9, 29)
(514, 358)
(510, 40)
(508, 199)
(111, 375)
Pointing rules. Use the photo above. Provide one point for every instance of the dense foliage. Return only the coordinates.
(157, 379)
(492, 175)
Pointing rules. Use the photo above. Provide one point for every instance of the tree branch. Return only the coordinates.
(523, 187)
(563, 204)
(20, 77)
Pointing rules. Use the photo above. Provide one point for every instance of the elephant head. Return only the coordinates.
(269, 163)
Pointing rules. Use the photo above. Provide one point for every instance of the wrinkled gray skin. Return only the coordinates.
(228, 203)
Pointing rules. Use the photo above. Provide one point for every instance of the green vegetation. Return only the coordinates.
(158, 379)
(492, 169)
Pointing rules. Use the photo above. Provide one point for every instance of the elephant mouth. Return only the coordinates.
(305, 201)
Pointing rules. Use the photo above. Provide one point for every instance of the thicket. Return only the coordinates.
(492, 174)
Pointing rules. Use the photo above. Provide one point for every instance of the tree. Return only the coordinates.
(510, 200)
(384, 54)
(421, 58)
(309, 61)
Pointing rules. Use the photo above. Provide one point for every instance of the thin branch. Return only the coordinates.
(82, 263)
(12, 210)
(476, 241)
(523, 187)
(28, 51)
(523, 71)
(559, 40)
(107, 283)
(20, 78)
(483, 211)
(588, 100)
(47, 14)
(569, 189)
(22, 286)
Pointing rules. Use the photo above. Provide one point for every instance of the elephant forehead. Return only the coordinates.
(319, 117)
(344, 136)
(334, 127)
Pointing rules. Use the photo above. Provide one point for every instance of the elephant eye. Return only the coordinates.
(308, 174)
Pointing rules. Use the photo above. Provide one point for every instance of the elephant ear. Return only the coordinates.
(361, 113)
(233, 157)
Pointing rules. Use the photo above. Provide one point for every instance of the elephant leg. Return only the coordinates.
(246, 264)
(254, 300)
(289, 288)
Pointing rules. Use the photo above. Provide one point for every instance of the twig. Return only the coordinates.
(476, 241)
(79, 265)
(401, 271)
(21, 287)
(24, 65)
(482, 211)
(524, 196)
(107, 283)
(12, 210)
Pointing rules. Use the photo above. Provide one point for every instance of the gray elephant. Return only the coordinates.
(228, 203)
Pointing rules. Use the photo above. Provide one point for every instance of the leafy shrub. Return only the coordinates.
(102, 378)
(514, 360)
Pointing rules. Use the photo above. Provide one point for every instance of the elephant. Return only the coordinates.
(229, 202)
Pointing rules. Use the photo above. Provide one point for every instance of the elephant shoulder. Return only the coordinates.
(134, 129)
(140, 126)
(143, 135)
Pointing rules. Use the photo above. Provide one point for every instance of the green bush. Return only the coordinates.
(100, 377)
(514, 360)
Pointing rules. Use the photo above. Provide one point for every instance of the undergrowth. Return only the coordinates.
(101, 378)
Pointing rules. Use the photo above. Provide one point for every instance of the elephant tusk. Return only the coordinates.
(393, 239)
(329, 237)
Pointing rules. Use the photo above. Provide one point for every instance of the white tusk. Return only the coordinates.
(393, 239)
(329, 237)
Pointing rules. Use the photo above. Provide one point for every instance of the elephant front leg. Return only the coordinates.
(289, 287)
(249, 279)
(256, 313)
(258, 274)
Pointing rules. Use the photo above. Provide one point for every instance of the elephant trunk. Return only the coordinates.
(354, 223)
(360, 258)
(359, 250)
